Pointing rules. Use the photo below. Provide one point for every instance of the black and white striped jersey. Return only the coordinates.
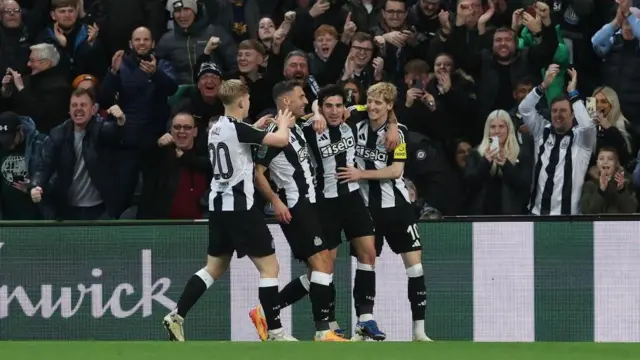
(331, 150)
(229, 144)
(290, 167)
(562, 160)
(371, 154)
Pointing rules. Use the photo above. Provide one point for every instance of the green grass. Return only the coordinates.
(11, 350)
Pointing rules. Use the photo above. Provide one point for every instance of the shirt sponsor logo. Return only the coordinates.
(400, 153)
(370, 154)
(337, 147)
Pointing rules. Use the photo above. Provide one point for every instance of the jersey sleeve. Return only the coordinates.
(399, 154)
(247, 134)
(265, 153)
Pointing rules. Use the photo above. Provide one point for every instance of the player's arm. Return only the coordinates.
(262, 184)
(393, 171)
(274, 136)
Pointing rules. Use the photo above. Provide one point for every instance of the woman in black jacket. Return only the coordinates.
(498, 173)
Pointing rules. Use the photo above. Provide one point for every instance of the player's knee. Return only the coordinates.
(217, 266)
(333, 253)
(268, 267)
(321, 262)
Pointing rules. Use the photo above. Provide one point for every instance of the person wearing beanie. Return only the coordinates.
(191, 32)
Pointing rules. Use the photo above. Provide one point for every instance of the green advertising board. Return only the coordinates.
(486, 281)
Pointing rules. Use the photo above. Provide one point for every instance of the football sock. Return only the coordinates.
(196, 286)
(268, 295)
(294, 291)
(332, 304)
(417, 292)
(364, 289)
(320, 294)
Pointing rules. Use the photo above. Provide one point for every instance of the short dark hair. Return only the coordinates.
(329, 91)
(183, 113)
(525, 81)
(58, 4)
(284, 87)
(560, 98)
(82, 92)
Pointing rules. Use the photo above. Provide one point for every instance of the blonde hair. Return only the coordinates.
(231, 90)
(387, 91)
(615, 116)
(511, 147)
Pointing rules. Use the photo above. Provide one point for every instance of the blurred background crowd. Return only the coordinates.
(462, 68)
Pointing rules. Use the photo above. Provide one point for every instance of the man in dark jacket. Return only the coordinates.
(142, 85)
(118, 18)
(176, 175)
(80, 50)
(44, 94)
(79, 152)
(190, 36)
(20, 151)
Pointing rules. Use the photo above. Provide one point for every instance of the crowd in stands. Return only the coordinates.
(514, 107)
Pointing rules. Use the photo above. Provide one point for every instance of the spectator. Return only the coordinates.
(424, 17)
(356, 95)
(202, 102)
(266, 32)
(17, 35)
(359, 63)
(189, 37)
(325, 40)
(118, 18)
(564, 148)
(88, 81)
(44, 94)
(433, 176)
(612, 125)
(239, 18)
(365, 13)
(80, 50)
(21, 148)
(612, 192)
(80, 153)
(496, 70)
(176, 175)
(251, 56)
(618, 44)
(139, 84)
(498, 173)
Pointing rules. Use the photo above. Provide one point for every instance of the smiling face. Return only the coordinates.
(361, 52)
(333, 110)
(607, 162)
(377, 107)
(209, 84)
(249, 60)
(183, 131)
(324, 45)
(296, 101)
(504, 44)
(602, 104)
(184, 17)
(141, 41)
(561, 116)
(266, 29)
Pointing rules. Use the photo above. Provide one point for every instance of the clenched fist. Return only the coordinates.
(36, 194)
(117, 113)
(212, 45)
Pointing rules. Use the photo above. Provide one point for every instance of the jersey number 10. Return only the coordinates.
(220, 154)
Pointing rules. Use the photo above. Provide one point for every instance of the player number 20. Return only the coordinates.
(221, 161)
(412, 230)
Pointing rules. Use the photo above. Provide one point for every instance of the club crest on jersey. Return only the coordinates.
(344, 128)
(371, 154)
(564, 143)
(337, 147)
(262, 151)
(303, 154)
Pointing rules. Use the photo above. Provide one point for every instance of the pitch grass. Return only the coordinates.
(195, 350)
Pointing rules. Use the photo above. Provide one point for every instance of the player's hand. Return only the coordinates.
(285, 118)
(281, 211)
(165, 140)
(391, 138)
(263, 122)
(36, 194)
(349, 174)
(319, 124)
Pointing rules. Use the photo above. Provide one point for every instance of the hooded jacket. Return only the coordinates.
(183, 47)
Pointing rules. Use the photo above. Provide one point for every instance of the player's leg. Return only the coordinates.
(257, 243)
(304, 234)
(360, 230)
(219, 251)
(404, 239)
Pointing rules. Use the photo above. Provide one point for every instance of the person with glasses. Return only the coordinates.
(175, 175)
(18, 30)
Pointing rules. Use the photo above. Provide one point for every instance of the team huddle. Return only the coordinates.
(339, 169)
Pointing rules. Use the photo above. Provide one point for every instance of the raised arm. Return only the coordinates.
(586, 130)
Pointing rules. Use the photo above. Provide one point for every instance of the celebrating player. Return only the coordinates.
(382, 187)
(295, 208)
(234, 223)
